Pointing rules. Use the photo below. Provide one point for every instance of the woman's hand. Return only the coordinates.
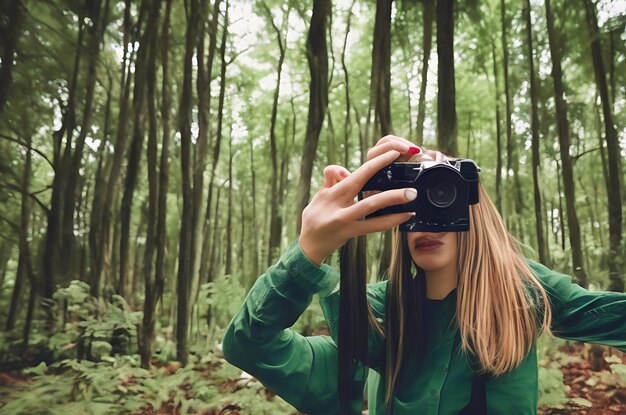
(410, 152)
(333, 216)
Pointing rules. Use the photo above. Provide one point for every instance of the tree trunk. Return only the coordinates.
(100, 233)
(380, 78)
(203, 86)
(317, 57)
(541, 243)
(615, 256)
(507, 94)
(348, 124)
(24, 268)
(134, 155)
(96, 32)
(14, 14)
(184, 125)
(207, 239)
(150, 285)
(446, 95)
(52, 250)
(564, 147)
(498, 132)
(255, 251)
(229, 212)
(427, 43)
(276, 220)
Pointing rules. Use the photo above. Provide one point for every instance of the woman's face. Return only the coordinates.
(434, 251)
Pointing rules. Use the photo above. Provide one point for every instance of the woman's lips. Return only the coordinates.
(427, 244)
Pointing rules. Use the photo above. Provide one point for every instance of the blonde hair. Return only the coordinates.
(498, 315)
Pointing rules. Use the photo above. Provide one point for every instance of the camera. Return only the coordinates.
(444, 192)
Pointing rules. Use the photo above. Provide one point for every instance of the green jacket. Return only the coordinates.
(303, 370)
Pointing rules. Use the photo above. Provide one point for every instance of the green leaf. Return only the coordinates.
(38, 370)
(582, 402)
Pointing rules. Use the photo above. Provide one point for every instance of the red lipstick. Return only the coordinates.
(427, 244)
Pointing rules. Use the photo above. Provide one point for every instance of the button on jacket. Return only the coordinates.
(304, 370)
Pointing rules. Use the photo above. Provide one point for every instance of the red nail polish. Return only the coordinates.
(414, 150)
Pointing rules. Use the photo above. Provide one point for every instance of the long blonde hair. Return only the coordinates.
(501, 307)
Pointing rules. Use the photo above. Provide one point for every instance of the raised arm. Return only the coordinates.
(302, 370)
(580, 314)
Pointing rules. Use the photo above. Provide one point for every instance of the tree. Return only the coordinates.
(534, 126)
(276, 219)
(317, 57)
(427, 42)
(185, 241)
(564, 149)
(613, 190)
(446, 90)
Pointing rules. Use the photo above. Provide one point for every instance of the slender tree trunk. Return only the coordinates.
(564, 144)
(381, 71)
(498, 131)
(446, 95)
(348, 124)
(96, 32)
(276, 219)
(616, 262)
(13, 11)
(207, 239)
(134, 157)
(95, 216)
(24, 268)
(317, 57)
(507, 94)
(103, 250)
(255, 251)
(229, 219)
(427, 42)
(184, 125)
(150, 285)
(203, 86)
(380, 89)
(213, 261)
(534, 125)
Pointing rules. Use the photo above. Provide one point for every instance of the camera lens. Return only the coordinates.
(442, 194)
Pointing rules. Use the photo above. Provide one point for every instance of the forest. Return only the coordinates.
(156, 156)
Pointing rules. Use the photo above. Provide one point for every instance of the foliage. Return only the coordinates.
(92, 321)
(552, 390)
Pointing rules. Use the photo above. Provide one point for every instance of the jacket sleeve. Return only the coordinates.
(579, 314)
(302, 370)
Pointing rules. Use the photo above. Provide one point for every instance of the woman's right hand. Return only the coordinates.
(333, 216)
(410, 152)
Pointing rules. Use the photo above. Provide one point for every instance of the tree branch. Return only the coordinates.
(577, 156)
(33, 196)
(23, 144)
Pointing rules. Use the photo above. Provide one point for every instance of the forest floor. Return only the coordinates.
(590, 392)
(231, 392)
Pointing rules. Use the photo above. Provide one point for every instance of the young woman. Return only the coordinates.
(451, 331)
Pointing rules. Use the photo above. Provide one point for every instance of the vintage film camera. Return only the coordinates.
(444, 192)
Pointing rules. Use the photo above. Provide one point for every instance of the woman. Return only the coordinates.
(457, 337)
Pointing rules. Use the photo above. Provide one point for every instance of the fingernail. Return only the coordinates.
(410, 193)
(414, 150)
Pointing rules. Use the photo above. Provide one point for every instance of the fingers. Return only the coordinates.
(333, 174)
(378, 201)
(351, 186)
(392, 142)
(380, 223)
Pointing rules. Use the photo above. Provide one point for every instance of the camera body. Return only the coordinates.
(444, 192)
